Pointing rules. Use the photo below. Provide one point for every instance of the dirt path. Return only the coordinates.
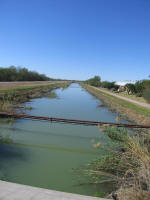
(142, 104)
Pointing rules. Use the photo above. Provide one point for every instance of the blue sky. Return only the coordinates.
(77, 39)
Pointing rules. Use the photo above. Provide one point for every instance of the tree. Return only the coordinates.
(95, 81)
(130, 88)
(109, 85)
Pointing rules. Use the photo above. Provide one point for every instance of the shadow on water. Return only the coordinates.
(11, 152)
(50, 133)
(9, 155)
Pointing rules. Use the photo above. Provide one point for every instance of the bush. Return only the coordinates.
(130, 88)
(109, 85)
(146, 93)
(96, 81)
(139, 87)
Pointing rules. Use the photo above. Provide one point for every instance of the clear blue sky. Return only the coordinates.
(77, 39)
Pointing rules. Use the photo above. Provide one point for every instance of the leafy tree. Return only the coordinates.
(109, 85)
(130, 88)
(95, 81)
(139, 88)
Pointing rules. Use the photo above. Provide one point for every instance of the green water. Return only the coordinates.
(43, 154)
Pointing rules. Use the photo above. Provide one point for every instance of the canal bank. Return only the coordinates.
(11, 97)
(127, 110)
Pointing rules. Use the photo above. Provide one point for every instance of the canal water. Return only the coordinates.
(45, 154)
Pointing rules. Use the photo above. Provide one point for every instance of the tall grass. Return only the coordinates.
(125, 164)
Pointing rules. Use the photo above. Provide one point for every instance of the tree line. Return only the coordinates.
(13, 73)
(96, 81)
(140, 88)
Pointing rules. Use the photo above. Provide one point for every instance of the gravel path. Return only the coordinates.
(142, 104)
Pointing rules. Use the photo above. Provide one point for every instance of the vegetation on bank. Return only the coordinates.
(125, 163)
(10, 97)
(139, 89)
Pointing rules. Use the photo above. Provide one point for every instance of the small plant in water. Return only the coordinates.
(52, 95)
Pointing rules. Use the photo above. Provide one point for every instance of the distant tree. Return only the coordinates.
(95, 81)
(13, 73)
(130, 88)
(109, 85)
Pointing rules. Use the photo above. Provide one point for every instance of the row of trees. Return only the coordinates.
(140, 88)
(13, 73)
(96, 81)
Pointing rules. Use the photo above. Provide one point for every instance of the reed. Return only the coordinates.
(125, 162)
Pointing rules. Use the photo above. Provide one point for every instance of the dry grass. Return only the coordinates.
(125, 164)
(135, 185)
(133, 194)
(7, 85)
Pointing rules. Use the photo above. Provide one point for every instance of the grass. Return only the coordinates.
(138, 186)
(126, 109)
(132, 96)
(126, 104)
